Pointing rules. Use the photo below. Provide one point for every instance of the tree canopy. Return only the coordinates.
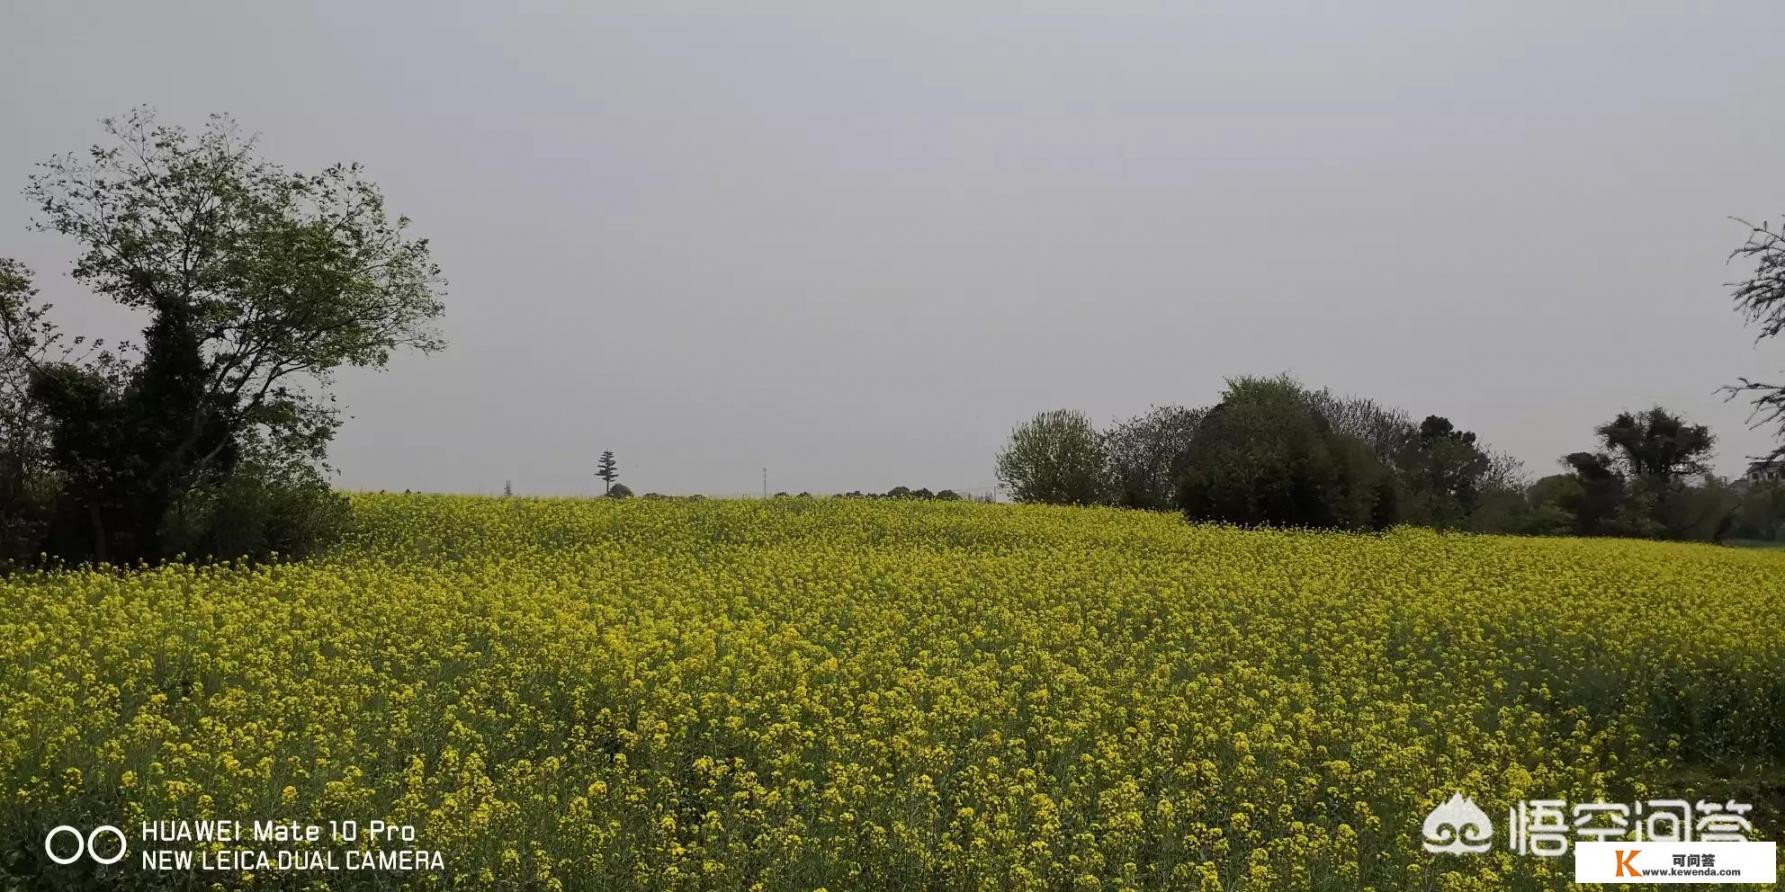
(1267, 455)
(257, 284)
(1147, 455)
(1057, 457)
(1657, 445)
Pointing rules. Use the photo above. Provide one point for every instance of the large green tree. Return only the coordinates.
(1445, 473)
(1267, 455)
(1657, 445)
(1057, 458)
(1658, 452)
(27, 486)
(258, 283)
(1637, 482)
(1596, 502)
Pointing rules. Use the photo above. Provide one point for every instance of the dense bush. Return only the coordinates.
(27, 506)
(253, 514)
(258, 515)
(1267, 456)
(1761, 513)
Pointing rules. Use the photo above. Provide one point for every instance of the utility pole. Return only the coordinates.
(765, 483)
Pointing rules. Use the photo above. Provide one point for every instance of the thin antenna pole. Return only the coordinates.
(765, 483)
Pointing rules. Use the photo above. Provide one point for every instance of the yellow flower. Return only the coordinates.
(807, 693)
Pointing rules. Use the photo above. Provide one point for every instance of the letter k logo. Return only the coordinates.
(1625, 868)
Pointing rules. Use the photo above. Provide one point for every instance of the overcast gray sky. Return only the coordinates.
(857, 247)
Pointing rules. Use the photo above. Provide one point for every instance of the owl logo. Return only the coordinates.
(1458, 826)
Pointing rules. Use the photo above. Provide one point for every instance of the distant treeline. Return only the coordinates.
(906, 492)
(1274, 452)
(208, 438)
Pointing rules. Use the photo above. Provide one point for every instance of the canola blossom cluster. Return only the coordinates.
(800, 694)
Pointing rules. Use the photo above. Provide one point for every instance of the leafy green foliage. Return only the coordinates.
(1445, 473)
(1267, 456)
(258, 514)
(1657, 445)
(27, 490)
(1638, 484)
(258, 284)
(1056, 458)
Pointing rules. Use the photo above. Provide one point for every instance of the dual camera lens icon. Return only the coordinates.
(88, 845)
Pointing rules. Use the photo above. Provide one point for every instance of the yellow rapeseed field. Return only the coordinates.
(842, 694)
